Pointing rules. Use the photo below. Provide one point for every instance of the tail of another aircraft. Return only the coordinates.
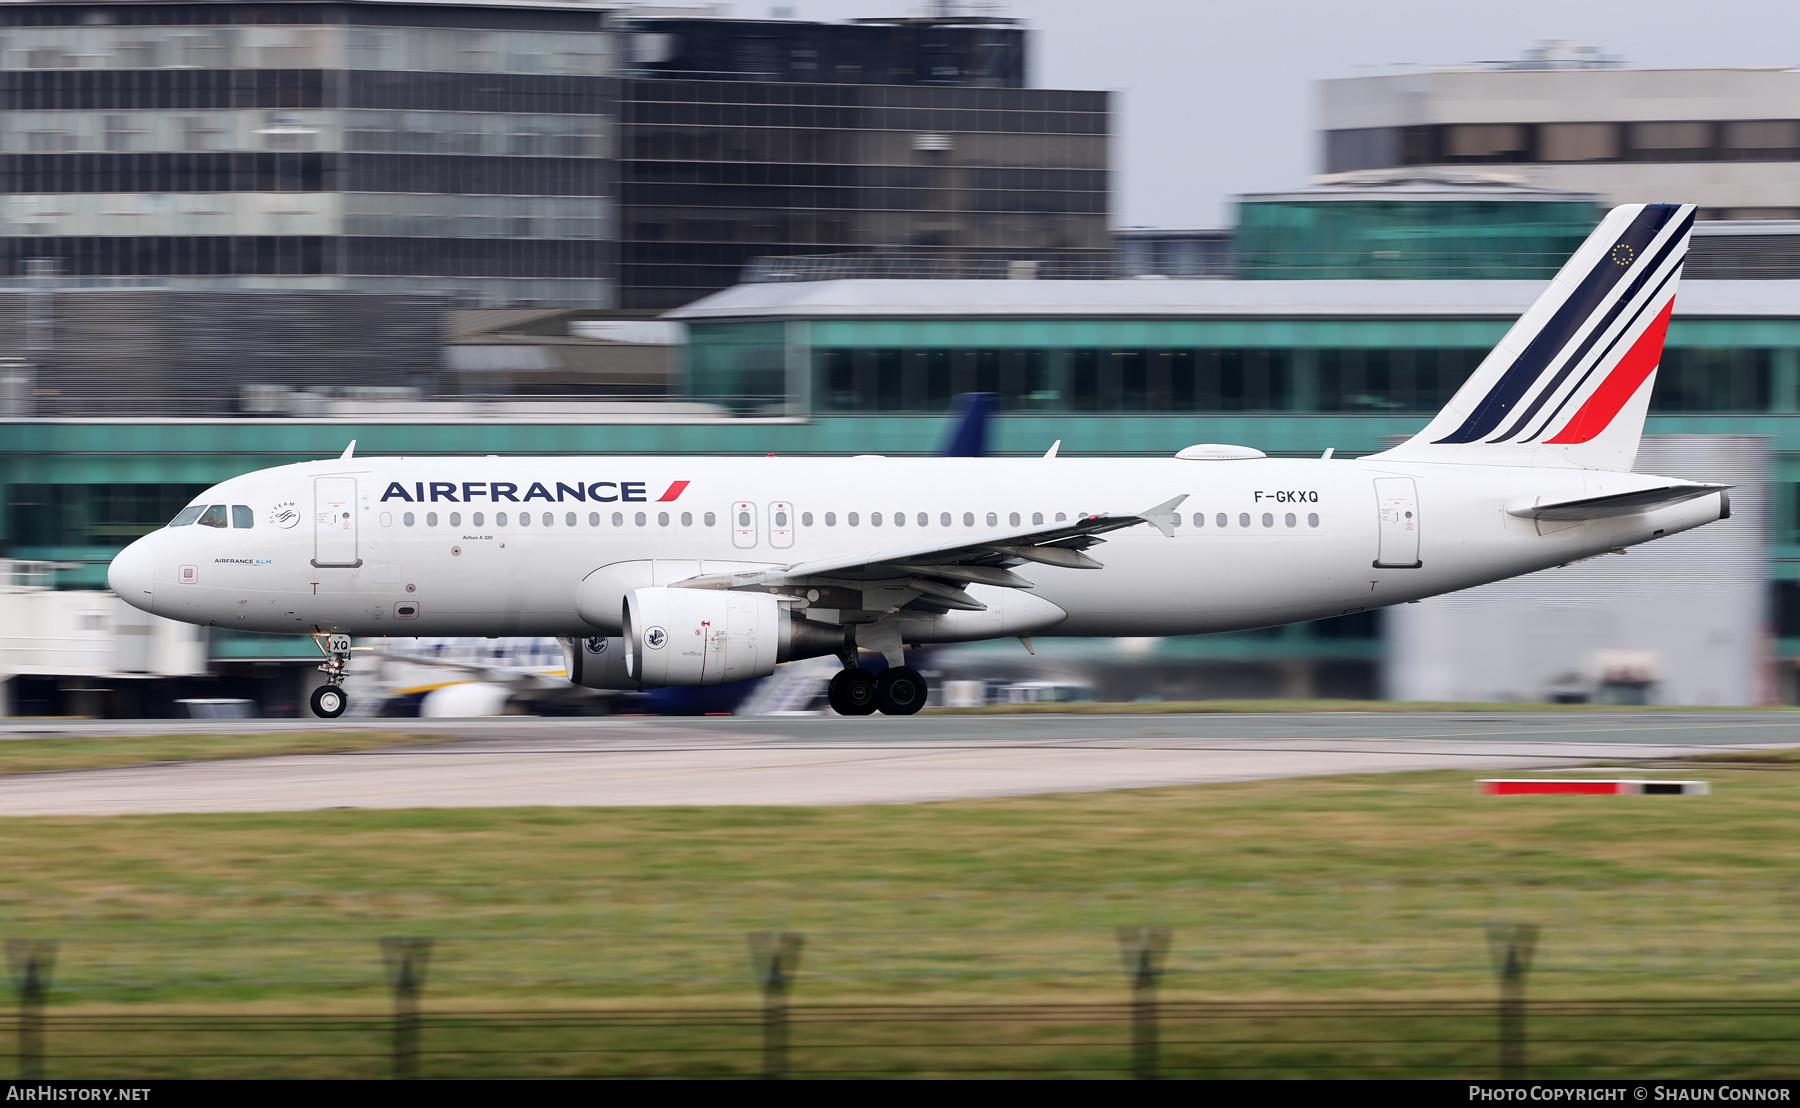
(1570, 383)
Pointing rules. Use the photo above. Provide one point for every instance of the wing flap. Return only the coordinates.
(1616, 504)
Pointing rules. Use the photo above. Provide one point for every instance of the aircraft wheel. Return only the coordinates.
(329, 702)
(900, 691)
(852, 693)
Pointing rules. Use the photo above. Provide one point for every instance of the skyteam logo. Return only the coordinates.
(507, 492)
(284, 515)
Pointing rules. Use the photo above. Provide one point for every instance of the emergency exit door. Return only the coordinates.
(743, 525)
(1398, 504)
(334, 522)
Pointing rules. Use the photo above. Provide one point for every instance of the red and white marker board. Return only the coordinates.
(1589, 787)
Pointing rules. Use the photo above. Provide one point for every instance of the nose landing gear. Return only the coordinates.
(328, 700)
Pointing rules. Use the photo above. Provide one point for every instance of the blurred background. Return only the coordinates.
(238, 235)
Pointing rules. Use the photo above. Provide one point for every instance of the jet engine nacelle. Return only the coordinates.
(597, 662)
(695, 637)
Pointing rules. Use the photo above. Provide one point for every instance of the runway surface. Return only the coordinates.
(816, 761)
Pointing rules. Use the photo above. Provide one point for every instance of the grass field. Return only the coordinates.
(1299, 892)
(44, 755)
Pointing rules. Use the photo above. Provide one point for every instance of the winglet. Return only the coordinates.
(348, 451)
(1162, 517)
(1054, 447)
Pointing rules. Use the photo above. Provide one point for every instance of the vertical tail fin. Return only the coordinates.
(1570, 383)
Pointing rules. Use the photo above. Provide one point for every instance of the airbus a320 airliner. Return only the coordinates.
(660, 571)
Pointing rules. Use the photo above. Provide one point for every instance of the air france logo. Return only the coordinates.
(284, 514)
(496, 492)
(596, 645)
(655, 637)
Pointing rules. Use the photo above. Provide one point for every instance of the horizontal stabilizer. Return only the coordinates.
(1617, 504)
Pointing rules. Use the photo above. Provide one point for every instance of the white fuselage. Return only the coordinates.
(330, 548)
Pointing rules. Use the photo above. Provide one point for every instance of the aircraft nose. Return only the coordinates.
(133, 574)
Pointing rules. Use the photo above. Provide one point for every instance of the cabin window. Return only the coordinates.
(499, 519)
(1175, 520)
(1268, 519)
(593, 519)
(187, 515)
(805, 519)
(476, 519)
(709, 519)
(1060, 517)
(524, 519)
(1221, 519)
(214, 516)
(1312, 519)
(899, 519)
(687, 519)
(569, 520)
(242, 517)
(1037, 518)
(456, 519)
(851, 519)
(968, 519)
(943, 519)
(874, 519)
(1013, 519)
(1290, 520)
(924, 518)
(1199, 519)
(662, 519)
(549, 519)
(406, 518)
(640, 519)
(431, 519)
(618, 519)
(387, 519)
(831, 519)
(1243, 519)
(993, 519)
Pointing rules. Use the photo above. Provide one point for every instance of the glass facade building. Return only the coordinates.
(1421, 233)
(716, 173)
(378, 147)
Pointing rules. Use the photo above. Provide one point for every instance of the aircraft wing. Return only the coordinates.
(939, 571)
(1617, 504)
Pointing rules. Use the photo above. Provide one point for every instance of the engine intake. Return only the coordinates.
(693, 637)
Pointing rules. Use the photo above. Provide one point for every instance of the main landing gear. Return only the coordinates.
(896, 691)
(328, 700)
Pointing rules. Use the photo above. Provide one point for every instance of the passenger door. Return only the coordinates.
(334, 522)
(1398, 504)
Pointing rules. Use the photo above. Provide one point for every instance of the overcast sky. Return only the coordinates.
(1214, 98)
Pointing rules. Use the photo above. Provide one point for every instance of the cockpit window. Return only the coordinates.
(242, 516)
(187, 515)
(214, 516)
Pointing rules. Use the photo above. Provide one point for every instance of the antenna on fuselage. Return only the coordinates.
(348, 450)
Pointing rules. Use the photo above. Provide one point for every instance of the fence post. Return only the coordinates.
(406, 961)
(1143, 950)
(31, 961)
(776, 958)
(1511, 947)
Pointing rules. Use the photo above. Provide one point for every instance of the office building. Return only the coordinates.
(384, 147)
(1570, 119)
